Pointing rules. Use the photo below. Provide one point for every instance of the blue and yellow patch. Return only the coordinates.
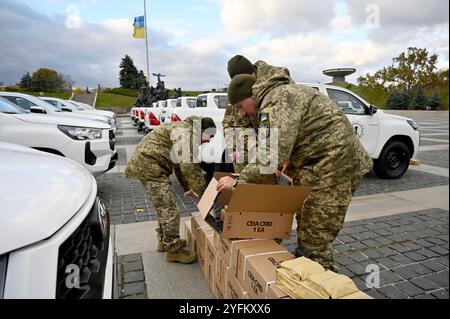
(264, 127)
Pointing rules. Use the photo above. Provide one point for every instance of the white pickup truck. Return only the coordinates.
(33, 104)
(54, 231)
(391, 141)
(89, 143)
(167, 111)
(68, 106)
(152, 116)
(207, 105)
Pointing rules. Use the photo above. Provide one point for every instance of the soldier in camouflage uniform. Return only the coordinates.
(319, 143)
(233, 118)
(153, 163)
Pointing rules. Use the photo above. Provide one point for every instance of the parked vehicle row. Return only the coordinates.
(391, 141)
(85, 138)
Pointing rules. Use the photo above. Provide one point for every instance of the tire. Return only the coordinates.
(393, 162)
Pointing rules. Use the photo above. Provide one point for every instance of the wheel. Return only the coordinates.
(393, 161)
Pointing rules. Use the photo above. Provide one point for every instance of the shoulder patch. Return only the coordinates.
(264, 127)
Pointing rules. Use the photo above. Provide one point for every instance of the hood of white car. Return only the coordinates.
(397, 117)
(39, 194)
(60, 120)
(81, 115)
(99, 112)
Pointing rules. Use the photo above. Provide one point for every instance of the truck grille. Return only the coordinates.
(84, 252)
(112, 140)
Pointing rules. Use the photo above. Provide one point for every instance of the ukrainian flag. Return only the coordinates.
(139, 27)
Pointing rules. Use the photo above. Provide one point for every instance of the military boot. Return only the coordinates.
(162, 247)
(182, 255)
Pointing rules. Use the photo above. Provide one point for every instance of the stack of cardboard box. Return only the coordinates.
(234, 266)
(236, 269)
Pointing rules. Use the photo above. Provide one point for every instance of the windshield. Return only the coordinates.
(9, 108)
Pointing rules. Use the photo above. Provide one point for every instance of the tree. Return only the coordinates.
(404, 100)
(141, 80)
(436, 100)
(393, 100)
(419, 101)
(26, 81)
(409, 70)
(46, 80)
(129, 76)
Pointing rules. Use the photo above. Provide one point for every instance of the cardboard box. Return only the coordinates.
(260, 272)
(211, 262)
(218, 292)
(276, 293)
(221, 273)
(234, 289)
(189, 236)
(254, 211)
(202, 262)
(201, 231)
(256, 246)
(216, 240)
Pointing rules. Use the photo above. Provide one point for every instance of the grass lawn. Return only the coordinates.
(107, 100)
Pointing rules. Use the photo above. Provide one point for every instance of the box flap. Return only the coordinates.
(208, 199)
(267, 198)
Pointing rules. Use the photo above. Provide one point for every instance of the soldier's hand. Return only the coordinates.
(190, 194)
(284, 168)
(225, 184)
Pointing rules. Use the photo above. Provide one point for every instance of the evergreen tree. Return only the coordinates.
(130, 77)
(141, 80)
(26, 81)
(404, 102)
(393, 100)
(419, 101)
(436, 100)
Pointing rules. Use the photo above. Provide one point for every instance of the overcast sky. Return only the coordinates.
(191, 41)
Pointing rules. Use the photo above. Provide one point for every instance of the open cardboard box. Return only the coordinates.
(254, 210)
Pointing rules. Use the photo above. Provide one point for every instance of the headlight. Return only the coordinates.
(3, 264)
(81, 133)
(414, 125)
(112, 122)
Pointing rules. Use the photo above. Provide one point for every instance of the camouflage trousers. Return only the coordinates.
(168, 231)
(321, 219)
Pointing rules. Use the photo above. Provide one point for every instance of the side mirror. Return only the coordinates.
(38, 109)
(372, 110)
(66, 109)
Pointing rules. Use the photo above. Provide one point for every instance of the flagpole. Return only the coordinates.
(146, 41)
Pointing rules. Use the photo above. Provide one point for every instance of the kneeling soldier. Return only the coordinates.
(154, 160)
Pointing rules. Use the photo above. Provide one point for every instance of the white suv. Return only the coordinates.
(54, 230)
(35, 105)
(391, 141)
(67, 106)
(90, 143)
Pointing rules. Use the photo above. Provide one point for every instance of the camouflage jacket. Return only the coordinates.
(313, 134)
(233, 118)
(153, 158)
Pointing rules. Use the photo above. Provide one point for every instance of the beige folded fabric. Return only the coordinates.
(310, 288)
(339, 286)
(301, 268)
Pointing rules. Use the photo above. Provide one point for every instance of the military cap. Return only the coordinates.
(240, 88)
(240, 65)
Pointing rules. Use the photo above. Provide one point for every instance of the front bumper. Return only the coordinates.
(40, 271)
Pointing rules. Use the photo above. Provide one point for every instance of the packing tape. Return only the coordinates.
(260, 254)
(240, 241)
